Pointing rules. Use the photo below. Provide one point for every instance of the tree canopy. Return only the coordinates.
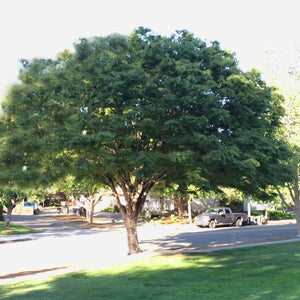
(129, 111)
(288, 80)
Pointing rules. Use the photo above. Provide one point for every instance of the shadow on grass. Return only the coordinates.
(265, 272)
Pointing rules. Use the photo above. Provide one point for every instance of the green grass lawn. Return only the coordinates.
(15, 229)
(264, 272)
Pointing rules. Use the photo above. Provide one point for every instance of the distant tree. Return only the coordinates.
(9, 200)
(83, 185)
(139, 109)
(284, 73)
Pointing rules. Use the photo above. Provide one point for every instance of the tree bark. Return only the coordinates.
(91, 201)
(135, 192)
(282, 197)
(8, 216)
(297, 214)
(132, 238)
(1, 213)
(179, 202)
(90, 210)
(294, 193)
(190, 212)
(90, 213)
(297, 203)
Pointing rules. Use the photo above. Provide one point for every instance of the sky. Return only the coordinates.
(43, 28)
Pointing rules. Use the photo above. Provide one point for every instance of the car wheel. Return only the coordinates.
(239, 223)
(212, 224)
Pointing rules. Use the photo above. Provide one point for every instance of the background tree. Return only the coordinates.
(284, 73)
(135, 110)
(9, 200)
(83, 185)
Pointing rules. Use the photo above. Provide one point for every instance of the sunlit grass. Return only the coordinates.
(265, 272)
(15, 229)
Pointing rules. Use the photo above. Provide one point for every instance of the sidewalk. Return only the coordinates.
(33, 236)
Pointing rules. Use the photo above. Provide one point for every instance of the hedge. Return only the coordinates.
(274, 214)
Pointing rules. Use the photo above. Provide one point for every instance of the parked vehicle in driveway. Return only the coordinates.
(220, 216)
(36, 207)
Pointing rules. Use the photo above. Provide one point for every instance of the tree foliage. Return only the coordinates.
(284, 73)
(132, 111)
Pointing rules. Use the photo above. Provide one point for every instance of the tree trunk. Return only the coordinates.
(295, 195)
(8, 216)
(90, 213)
(180, 206)
(91, 202)
(297, 205)
(297, 214)
(135, 191)
(1, 213)
(132, 238)
(162, 203)
(282, 197)
(190, 211)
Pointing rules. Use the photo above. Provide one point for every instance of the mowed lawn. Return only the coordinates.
(15, 229)
(262, 272)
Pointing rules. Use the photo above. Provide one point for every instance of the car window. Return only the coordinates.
(210, 211)
(227, 211)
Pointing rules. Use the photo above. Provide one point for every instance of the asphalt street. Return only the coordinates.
(68, 243)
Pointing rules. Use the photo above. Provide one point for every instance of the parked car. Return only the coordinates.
(151, 213)
(36, 207)
(220, 216)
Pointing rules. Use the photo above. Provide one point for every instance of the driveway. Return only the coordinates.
(49, 221)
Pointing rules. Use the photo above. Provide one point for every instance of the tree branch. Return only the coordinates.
(115, 193)
(290, 188)
(283, 198)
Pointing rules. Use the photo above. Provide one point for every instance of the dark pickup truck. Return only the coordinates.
(220, 216)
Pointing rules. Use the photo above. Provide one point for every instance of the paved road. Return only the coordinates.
(204, 239)
(73, 245)
(158, 237)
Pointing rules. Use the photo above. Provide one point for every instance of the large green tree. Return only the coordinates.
(284, 73)
(139, 109)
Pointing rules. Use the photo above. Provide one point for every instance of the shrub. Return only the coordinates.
(172, 219)
(274, 214)
(113, 209)
(257, 212)
(280, 215)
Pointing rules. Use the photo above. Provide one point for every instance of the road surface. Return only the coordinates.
(72, 245)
